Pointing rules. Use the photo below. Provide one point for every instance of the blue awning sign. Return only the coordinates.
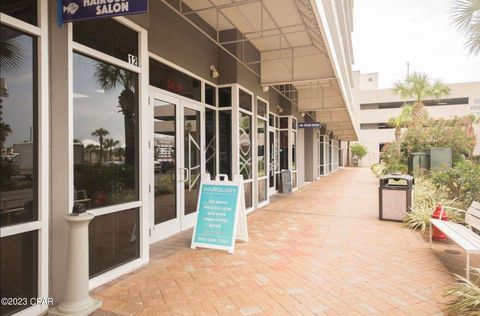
(309, 125)
(78, 10)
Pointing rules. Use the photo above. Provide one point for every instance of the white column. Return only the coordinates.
(77, 300)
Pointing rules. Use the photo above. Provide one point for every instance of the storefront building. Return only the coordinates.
(125, 114)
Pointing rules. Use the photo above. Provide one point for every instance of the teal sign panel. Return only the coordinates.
(216, 215)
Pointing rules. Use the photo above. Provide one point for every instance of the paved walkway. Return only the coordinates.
(321, 250)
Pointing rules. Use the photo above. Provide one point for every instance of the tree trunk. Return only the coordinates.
(418, 113)
(398, 134)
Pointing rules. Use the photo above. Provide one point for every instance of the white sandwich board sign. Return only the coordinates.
(221, 216)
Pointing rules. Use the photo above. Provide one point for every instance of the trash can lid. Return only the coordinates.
(385, 180)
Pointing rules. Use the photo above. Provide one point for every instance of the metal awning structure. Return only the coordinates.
(292, 54)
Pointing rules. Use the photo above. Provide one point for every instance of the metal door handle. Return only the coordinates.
(185, 176)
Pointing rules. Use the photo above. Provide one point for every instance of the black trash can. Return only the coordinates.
(395, 196)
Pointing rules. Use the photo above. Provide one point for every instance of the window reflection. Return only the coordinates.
(113, 240)
(105, 107)
(210, 141)
(18, 269)
(18, 144)
(25, 10)
(225, 142)
(261, 147)
(245, 145)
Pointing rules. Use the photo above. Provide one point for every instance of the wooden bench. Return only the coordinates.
(465, 237)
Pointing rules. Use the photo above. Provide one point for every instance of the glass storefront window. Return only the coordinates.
(225, 142)
(245, 143)
(261, 147)
(284, 122)
(105, 114)
(210, 95)
(18, 128)
(110, 37)
(210, 141)
(271, 120)
(283, 150)
(113, 240)
(245, 100)
(25, 10)
(248, 195)
(170, 79)
(294, 150)
(225, 97)
(18, 269)
(262, 190)
(262, 108)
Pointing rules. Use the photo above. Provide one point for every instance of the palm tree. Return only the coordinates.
(399, 122)
(419, 87)
(110, 144)
(466, 18)
(100, 133)
(110, 77)
(91, 149)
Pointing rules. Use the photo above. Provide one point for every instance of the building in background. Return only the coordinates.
(373, 107)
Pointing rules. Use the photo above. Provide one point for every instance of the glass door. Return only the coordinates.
(177, 164)
(272, 162)
(193, 160)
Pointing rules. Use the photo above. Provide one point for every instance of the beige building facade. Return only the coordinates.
(373, 107)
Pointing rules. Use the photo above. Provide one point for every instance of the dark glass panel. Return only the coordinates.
(225, 142)
(245, 100)
(294, 151)
(245, 144)
(284, 122)
(225, 97)
(248, 195)
(192, 150)
(271, 170)
(210, 141)
(18, 269)
(18, 128)
(170, 79)
(278, 181)
(294, 124)
(25, 10)
(105, 125)
(165, 161)
(283, 150)
(261, 147)
(271, 120)
(261, 108)
(110, 37)
(262, 190)
(210, 95)
(113, 240)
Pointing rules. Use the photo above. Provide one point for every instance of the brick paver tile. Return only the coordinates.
(318, 251)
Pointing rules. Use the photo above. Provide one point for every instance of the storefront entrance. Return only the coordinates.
(177, 163)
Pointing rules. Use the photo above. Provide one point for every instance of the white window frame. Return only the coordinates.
(43, 146)
(265, 118)
(236, 138)
(142, 202)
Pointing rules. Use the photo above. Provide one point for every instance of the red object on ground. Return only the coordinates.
(437, 233)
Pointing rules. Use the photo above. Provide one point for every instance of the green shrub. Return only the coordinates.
(377, 169)
(454, 133)
(392, 160)
(427, 197)
(461, 182)
(468, 295)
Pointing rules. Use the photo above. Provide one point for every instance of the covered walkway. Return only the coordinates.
(321, 250)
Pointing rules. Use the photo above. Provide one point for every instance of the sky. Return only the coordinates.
(389, 33)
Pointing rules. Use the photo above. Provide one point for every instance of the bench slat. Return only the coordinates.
(461, 235)
(472, 220)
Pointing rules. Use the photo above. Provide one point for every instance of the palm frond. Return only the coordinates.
(12, 55)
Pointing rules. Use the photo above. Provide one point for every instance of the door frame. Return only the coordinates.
(182, 221)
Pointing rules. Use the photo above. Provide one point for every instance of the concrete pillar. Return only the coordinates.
(77, 299)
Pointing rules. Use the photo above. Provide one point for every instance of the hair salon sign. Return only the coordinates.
(78, 10)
